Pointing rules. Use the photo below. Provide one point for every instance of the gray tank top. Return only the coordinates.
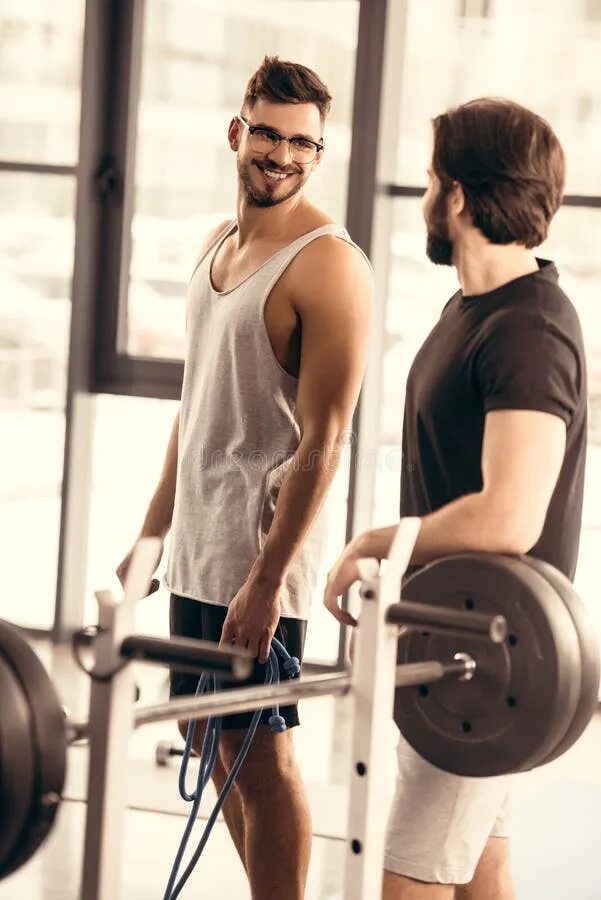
(238, 431)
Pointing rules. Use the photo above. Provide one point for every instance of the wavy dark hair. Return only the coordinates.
(285, 82)
(509, 163)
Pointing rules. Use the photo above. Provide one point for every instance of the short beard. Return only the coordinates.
(439, 246)
(257, 198)
(439, 250)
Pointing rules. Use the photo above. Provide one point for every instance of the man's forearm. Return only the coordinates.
(299, 501)
(471, 523)
(157, 521)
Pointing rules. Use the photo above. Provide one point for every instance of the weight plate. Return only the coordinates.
(525, 690)
(17, 773)
(589, 648)
(47, 740)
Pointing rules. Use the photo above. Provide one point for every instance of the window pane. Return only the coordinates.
(573, 243)
(418, 291)
(40, 71)
(129, 444)
(197, 59)
(130, 440)
(516, 51)
(36, 261)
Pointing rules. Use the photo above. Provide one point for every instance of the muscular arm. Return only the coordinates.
(159, 514)
(522, 454)
(332, 293)
(157, 521)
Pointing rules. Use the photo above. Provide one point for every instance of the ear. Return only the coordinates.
(456, 201)
(233, 134)
(317, 160)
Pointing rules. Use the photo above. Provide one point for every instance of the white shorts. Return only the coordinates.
(439, 823)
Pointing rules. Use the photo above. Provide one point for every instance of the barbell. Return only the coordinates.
(497, 667)
(533, 693)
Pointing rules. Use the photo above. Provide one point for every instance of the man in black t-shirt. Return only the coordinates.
(494, 443)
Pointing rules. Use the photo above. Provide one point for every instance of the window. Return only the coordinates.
(36, 261)
(451, 60)
(40, 67)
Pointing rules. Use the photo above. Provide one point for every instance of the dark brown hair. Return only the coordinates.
(509, 163)
(285, 82)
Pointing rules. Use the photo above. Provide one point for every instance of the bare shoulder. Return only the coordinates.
(330, 266)
(212, 236)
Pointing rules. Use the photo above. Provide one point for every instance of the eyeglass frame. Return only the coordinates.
(252, 128)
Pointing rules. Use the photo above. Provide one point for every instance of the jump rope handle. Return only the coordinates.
(291, 666)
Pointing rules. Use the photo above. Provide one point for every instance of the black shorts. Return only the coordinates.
(195, 619)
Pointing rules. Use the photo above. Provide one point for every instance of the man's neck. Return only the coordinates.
(257, 223)
(483, 267)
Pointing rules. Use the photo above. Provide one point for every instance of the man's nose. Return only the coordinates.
(281, 155)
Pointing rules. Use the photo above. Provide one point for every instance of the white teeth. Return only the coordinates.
(275, 176)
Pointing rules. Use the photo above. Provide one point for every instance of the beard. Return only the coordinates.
(264, 198)
(439, 246)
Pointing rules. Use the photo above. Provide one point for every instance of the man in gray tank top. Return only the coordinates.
(278, 309)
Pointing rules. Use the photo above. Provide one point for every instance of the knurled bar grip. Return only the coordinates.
(440, 618)
(410, 674)
(189, 655)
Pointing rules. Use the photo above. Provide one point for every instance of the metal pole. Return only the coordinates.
(225, 703)
(441, 618)
(411, 674)
(110, 727)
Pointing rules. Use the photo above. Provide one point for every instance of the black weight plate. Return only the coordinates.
(589, 648)
(17, 772)
(48, 740)
(525, 690)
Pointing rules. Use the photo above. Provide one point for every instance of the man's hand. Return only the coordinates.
(344, 573)
(252, 618)
(374, 544)
(123, 568)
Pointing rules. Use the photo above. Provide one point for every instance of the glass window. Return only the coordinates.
(417, 292)
(129, 445)
(40, 71)
(36, 262)
(544, 54)
(196, 60)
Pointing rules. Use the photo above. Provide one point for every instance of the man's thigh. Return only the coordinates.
(397, 887)
(440, 823)
(270, 756)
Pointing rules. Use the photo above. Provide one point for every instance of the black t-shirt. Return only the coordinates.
(517, 347)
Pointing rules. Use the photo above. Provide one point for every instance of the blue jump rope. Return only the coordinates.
(208, 756)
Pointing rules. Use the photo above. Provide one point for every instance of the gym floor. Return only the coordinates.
(557, 821)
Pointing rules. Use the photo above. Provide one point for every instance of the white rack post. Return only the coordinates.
(374, 679)
(111, 723)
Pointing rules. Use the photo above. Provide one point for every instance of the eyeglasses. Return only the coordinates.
(264, 140)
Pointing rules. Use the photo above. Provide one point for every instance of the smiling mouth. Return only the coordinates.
(274, 175)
